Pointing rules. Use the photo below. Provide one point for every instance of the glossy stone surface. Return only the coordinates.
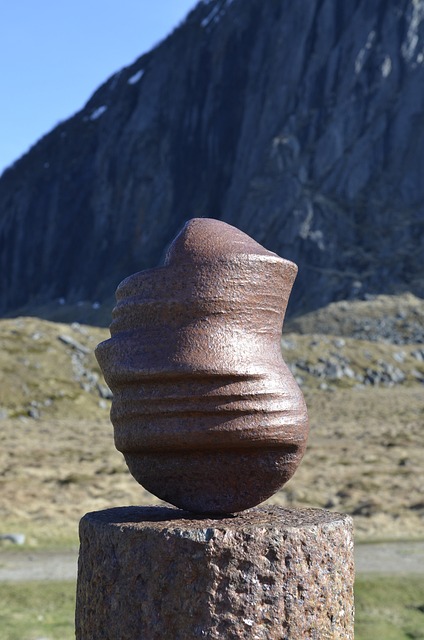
(268, 573)
(205, 411)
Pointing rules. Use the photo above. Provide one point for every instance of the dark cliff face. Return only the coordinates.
(302, 123)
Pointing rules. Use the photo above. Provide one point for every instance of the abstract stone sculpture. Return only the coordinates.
(206, 412)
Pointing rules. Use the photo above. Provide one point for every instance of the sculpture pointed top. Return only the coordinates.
(208, 240)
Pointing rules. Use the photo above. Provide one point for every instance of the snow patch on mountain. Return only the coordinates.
(216, 12)
(136, 77)
(98, 112)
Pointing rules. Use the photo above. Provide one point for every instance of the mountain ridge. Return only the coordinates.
(298, 123)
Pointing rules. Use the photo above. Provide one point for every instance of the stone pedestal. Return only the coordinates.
(157, 573)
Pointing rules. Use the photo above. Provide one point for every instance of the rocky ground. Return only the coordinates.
(390, 319)
(364, 456)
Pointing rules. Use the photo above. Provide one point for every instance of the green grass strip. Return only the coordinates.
(387, 608)
(32, 610)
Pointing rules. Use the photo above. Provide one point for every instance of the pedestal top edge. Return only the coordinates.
(164, 517)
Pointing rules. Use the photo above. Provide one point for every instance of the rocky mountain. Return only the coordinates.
(302, 123)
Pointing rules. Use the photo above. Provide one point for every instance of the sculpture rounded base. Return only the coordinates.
(215, 482)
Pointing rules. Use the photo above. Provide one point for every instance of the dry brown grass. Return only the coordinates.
(364, 454)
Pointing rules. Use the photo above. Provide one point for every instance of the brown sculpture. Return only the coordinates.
(205, 411)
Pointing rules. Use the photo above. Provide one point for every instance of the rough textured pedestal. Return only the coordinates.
(160, 573)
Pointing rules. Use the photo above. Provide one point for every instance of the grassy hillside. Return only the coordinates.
(57, 457)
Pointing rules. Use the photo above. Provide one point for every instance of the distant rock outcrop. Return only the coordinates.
(299, 122)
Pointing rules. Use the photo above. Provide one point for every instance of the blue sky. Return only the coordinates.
(55, 53)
